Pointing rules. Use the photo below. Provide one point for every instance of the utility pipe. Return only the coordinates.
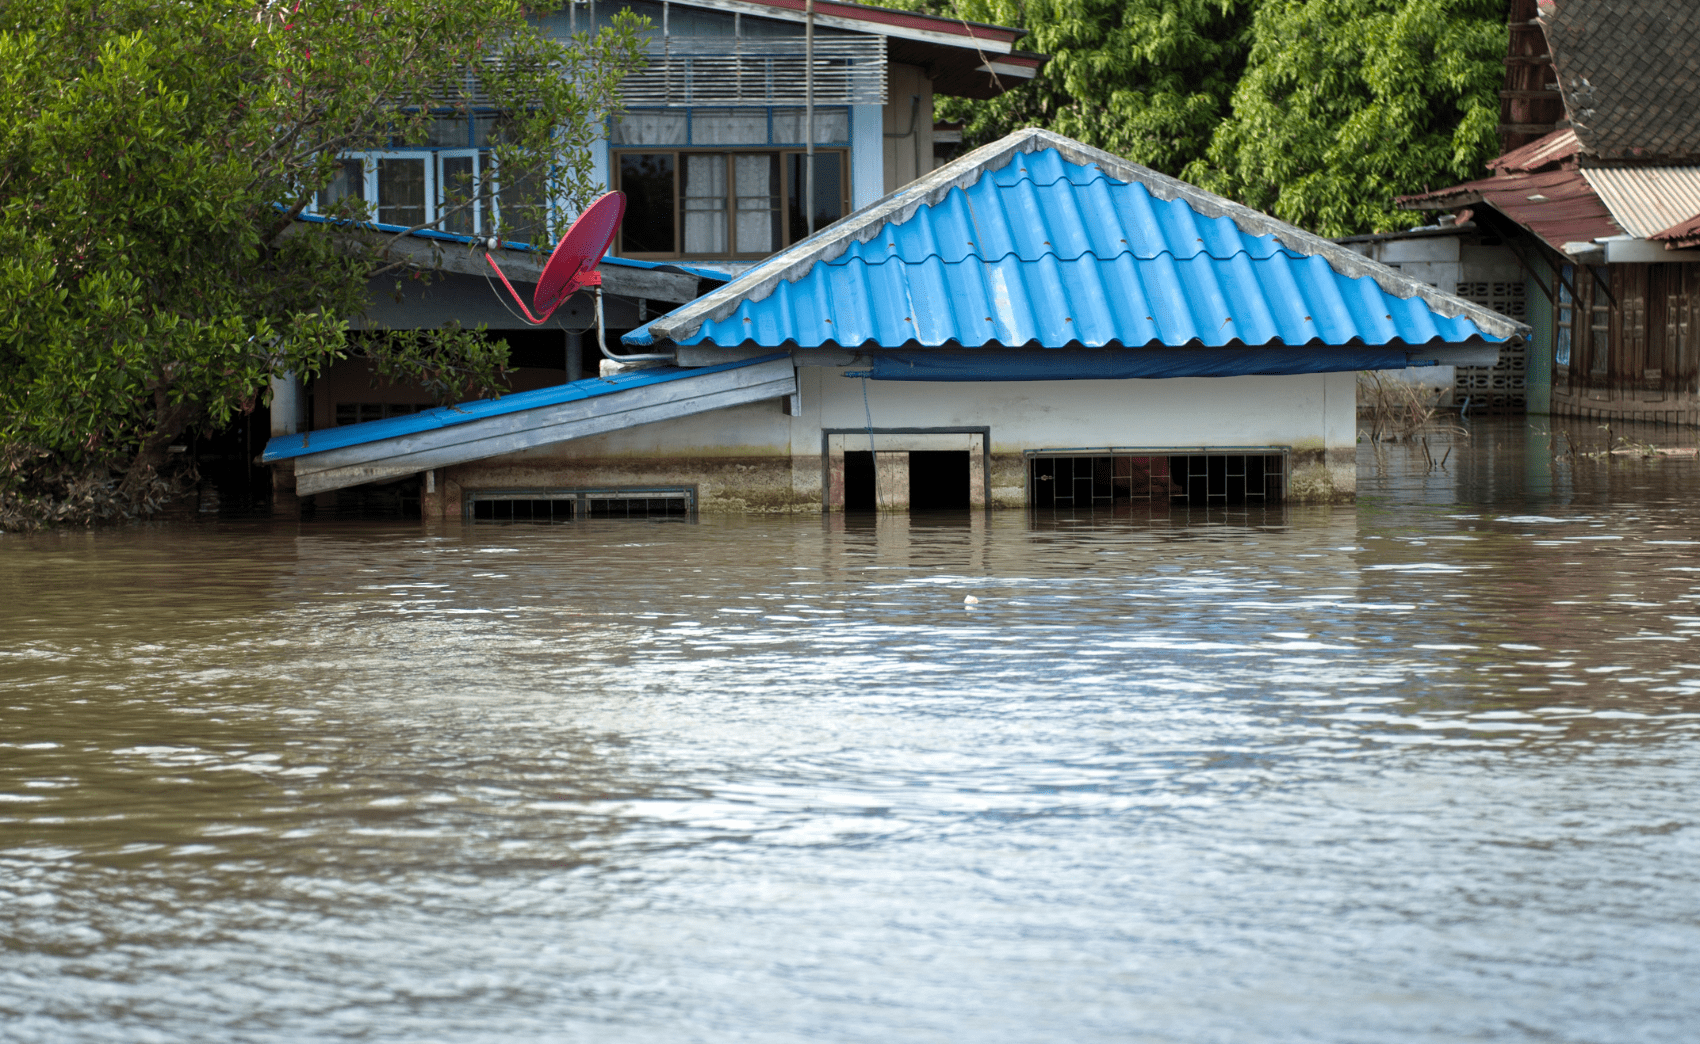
(602, 343)
(809, 114)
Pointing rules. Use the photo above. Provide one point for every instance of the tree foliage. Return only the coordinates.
(1319, 111)
(1146, 79)
(1346, 104)
(153, 157)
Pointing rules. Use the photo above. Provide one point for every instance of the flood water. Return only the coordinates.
(1422, 769)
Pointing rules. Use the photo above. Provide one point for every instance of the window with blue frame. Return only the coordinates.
(727, 182)
(450, 176)
(1564, 316)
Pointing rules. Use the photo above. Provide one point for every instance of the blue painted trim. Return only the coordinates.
(1122, 364)
(453, 237)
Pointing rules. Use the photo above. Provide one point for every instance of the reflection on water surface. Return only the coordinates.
(1413, 771)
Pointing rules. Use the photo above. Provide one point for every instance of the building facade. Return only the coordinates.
(1037, 323)
(711, 151)
(1593, 211)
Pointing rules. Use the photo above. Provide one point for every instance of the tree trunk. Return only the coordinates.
(170, 421)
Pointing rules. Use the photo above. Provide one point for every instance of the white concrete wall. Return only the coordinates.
(1313, 415)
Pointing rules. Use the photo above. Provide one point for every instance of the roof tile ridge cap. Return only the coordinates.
(1345, 262)
(1053, 252)
(760, 282)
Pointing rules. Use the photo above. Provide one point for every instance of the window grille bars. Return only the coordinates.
(556, 506)
(1195, 479)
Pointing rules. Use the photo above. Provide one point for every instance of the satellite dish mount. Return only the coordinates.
(572, 265)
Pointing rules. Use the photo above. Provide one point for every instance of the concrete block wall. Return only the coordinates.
(758, 458)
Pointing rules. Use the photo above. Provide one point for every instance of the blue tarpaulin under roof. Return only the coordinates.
(1040, 242)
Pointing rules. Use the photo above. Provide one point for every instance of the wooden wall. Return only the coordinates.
(1635, 349)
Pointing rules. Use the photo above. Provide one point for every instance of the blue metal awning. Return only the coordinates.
(385, 449)
(1039, 242)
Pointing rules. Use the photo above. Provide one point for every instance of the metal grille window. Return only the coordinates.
(1195, 479)
(1502, 388)
(554, 506)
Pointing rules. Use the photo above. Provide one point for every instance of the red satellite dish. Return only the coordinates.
(573, 263)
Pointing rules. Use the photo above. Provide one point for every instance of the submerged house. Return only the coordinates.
(710, 152)
(1036, 323)
(1586, 225)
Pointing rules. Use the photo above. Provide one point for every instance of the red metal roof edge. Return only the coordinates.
(904, 19)
(1444, 197)
(1568, 211)
(1682, 234)
(1545, 150)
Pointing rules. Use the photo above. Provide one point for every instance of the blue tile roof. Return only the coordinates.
(1038, 241)
(284, 447)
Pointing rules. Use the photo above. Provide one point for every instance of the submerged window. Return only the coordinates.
(1195, 479)
(556, 506)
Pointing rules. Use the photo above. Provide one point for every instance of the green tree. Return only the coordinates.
(1346, 104)
(1146, 79)
(153, 158)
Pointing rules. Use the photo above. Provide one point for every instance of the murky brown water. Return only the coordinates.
(1421, 770)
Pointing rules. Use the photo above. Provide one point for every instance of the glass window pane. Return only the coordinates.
(1565, 317)
(756, 185)
(349, 183)
(401, 192)
(650, 128)
(729, 126)
(448, 132)
(705, 203)
(455, 187)
(648, 180)
(521, 210)
(829, 192)
(832, 126)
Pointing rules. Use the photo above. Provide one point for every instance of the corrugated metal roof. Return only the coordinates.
(284, 447)
(1682, 234)
(1557, 205)
(1039, 241)
(1554, 148)
(1647, 200)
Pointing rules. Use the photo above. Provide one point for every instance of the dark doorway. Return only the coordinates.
(938, 480)
(859, 480)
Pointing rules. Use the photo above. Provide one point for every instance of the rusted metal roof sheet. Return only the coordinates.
(1680, 235)
(1555, 148)
(1557, 205)
(1645, 200)
(1038, 241)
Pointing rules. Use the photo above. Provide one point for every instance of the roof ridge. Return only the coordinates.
(795, 262)
(848, 258)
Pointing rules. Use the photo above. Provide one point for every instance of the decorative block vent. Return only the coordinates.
(1502, 388)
